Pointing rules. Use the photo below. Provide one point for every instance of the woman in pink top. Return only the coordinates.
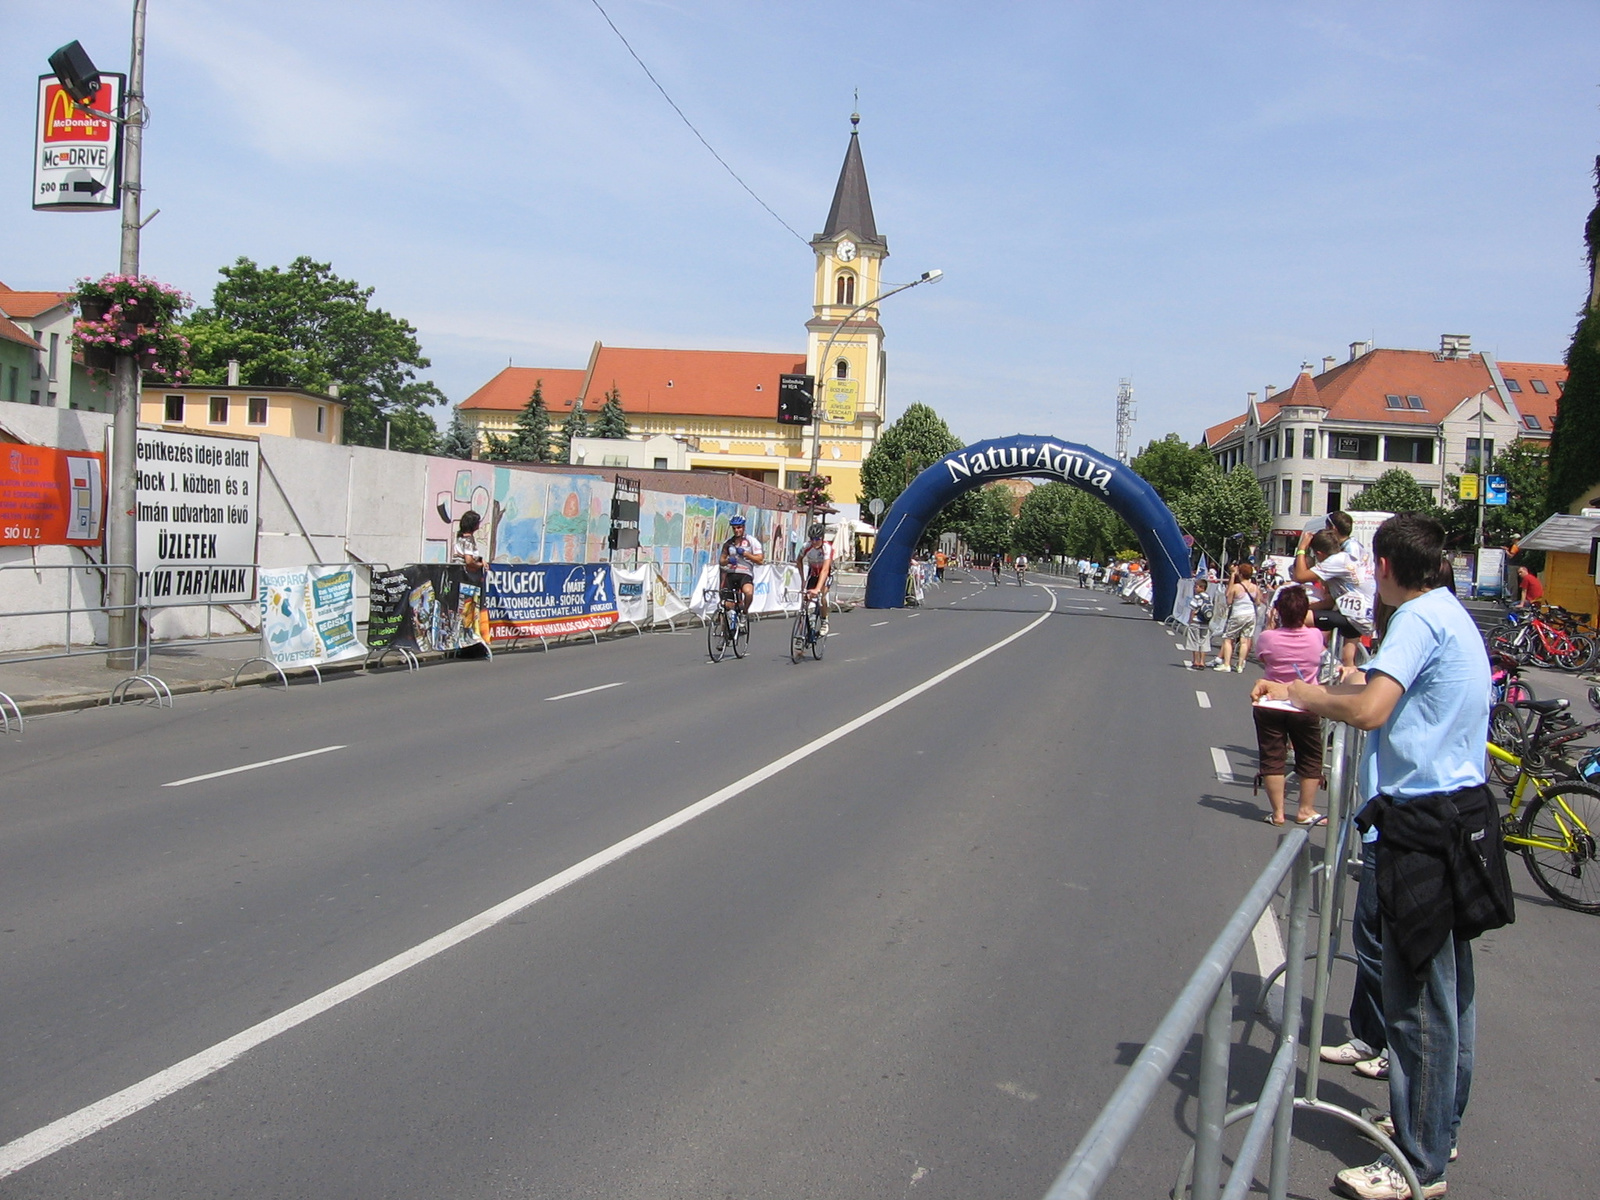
(1290, 649)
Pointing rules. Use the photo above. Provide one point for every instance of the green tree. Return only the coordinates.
(1041, 526)
(1222, 507)
(304, 327)
(575, 426)
(989, 531)
(1575, 443)
(1395, 491)
(1173, 467)
(529, 439)
(1526, 467)
(1095, 531)
(458, 441)
(918, 439)
(611, 421)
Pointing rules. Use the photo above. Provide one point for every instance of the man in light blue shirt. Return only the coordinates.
(1425, 701)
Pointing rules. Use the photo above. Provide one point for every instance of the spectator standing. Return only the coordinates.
(1351, 594)
(1289, 649)
(1425, 697)
(941, 560)
(1197, 634)
(1240, 599)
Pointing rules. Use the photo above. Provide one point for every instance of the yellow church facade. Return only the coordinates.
(723, 405)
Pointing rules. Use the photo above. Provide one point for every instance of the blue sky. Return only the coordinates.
(1197, 196)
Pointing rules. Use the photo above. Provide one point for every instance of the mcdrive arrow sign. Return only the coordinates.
(77, 156)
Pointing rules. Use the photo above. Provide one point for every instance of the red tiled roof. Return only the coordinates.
(1218, 432)
(29, 304)
(1358, 391)
(721, 383)
(1529, 401)
(509, 390)
(713, 383)
(12, 332)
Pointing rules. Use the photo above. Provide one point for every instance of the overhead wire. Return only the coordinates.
(649, 75)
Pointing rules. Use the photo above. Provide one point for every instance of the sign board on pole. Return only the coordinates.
(51, 497)
(77, 157)
(875, 507)
(795, 394)
(1491, 570)
(196, 517)
(839, 406)
(1467, 487)
(625, 515)
(1495, 491)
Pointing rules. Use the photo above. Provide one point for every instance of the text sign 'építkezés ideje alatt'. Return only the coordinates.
(196, 511)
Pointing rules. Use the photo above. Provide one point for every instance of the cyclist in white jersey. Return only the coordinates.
(816, 564)
(738, 560)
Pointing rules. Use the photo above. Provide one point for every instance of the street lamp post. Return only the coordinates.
(932, 276)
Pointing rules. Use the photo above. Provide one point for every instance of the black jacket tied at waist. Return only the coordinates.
(1441, 868)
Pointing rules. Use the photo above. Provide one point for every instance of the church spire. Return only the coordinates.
(852, 203)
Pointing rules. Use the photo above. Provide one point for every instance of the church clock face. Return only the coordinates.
(847, 251)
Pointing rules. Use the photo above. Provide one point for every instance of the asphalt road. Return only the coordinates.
(912, 960)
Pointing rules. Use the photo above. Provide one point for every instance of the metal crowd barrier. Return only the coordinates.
(1207, 995)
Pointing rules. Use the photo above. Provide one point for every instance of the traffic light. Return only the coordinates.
(77, 75)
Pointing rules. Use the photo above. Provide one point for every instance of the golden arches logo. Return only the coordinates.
(65, 121)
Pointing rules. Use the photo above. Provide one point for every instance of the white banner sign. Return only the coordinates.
(633, 593)
(196, 498)
(308, 616)
(777, 589)
(77, 156)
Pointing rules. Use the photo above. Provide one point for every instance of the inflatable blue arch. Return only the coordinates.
(1134, 500)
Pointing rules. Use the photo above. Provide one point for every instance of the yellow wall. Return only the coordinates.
(1567, 582)
(288, 415)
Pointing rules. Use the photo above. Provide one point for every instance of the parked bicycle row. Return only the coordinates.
(1547, 635)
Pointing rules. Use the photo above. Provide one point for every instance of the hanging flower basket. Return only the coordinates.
(100, 358)
(128, 314)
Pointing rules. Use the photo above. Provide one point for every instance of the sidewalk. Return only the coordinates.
(64, 684)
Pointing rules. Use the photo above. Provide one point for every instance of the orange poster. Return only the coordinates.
(51, 497)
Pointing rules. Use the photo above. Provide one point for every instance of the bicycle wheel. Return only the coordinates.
(797, 636)
(1567, 815)
(1517, 690)
(818, 642)
(1538, 654)
(1575, 652)
(740, 637)
(1506, 642)
(1506, 731)
(717, 635)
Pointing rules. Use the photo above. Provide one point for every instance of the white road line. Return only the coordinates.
(586, 691)
(875, 624)
(1269, 957)
(1203, 700)
(102, 1114)
(1220, 761)
(269, 762)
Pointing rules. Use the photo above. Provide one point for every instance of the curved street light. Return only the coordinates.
(932, 276)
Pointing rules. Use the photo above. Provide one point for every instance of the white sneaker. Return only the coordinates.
(823, 629)
(1347, 1054)
(1380, 1181)
(1221, 667)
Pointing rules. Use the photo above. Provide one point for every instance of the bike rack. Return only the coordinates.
(163, 694)
(8, 706)
(282, 678)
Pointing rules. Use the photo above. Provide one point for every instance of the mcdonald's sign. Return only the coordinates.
(77, 161)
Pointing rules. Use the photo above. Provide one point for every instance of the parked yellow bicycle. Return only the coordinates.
(1557, 833)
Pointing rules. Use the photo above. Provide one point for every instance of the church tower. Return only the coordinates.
(850, 385)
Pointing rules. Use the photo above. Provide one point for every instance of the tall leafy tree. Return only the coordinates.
(990, 529)
(1575, 444)
(1095, 531)
(304, 327)
(576, 425)
(1173, 467)
(1221, 508)
(529, 439)
(907, 447)
(1395, 491)
(611, 421)
(1041, 526)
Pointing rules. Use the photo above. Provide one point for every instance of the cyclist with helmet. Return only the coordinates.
(739, 558)
(816, 564)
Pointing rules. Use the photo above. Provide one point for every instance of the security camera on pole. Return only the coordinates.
(73, 177)
(932, 276)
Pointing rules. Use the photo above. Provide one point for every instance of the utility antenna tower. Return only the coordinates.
(1126, 413)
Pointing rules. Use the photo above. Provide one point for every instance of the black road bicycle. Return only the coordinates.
(729, 627)
(807, 633)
